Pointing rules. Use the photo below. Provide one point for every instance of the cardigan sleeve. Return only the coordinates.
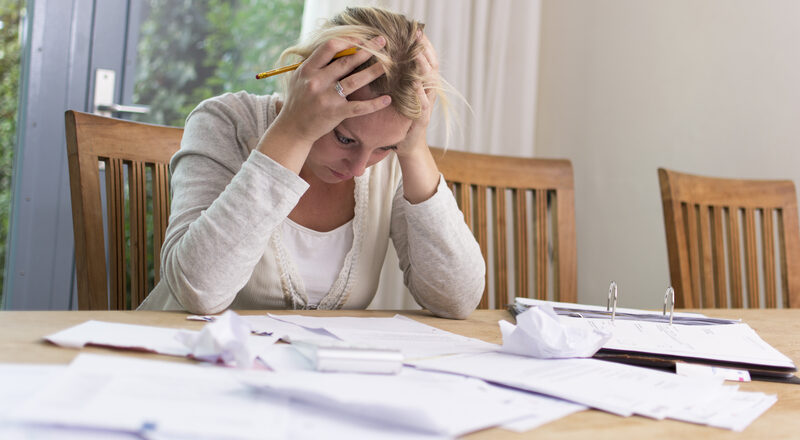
(441, 261)
(226, 201)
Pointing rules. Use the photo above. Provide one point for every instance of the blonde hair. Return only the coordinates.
(398, 56)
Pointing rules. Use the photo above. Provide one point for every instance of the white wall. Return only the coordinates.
(626, 86)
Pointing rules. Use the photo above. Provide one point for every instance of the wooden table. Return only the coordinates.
(21, 333)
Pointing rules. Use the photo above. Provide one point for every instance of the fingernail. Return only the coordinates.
(387, 100)
(380, 40)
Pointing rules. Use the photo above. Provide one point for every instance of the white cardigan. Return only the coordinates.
(223, 246)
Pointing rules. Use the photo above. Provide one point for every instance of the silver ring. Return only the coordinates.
(339, 89)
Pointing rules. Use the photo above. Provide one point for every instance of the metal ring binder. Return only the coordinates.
(669, 294)
(612, 289)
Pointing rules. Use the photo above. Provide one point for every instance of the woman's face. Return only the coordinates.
(357, 143)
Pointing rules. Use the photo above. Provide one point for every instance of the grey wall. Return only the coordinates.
(626, 86)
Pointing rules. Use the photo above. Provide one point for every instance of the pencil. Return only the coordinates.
(289, 68)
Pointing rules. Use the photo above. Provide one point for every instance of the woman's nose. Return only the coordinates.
(358, 163)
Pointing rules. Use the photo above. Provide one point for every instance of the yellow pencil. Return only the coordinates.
(285, 69)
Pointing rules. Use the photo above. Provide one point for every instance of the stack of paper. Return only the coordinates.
(617, 388)
(170, 400)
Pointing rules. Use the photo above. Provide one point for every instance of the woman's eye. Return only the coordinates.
(387, 148)
(342, 139)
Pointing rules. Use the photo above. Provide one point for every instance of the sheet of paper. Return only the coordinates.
(540, 334)
(616, 388)
(414, 339)
(734, 410)
(698, 370)
(210, 401)
(128, 336)
(730, 342)
(416, 400)
(284, 330)
(214, 345)
(19, 381)
(171, 399)
(536, 302)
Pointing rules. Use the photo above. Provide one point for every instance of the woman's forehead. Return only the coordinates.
(385, 127)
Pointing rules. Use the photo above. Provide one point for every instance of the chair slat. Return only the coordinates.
(718, 243)
(565, 281)
(160, 214)
(707, 267)
(115, 202)
(137, 178)
(768, 258)
(695, 262)
(521, 241)
(500, 263)
(466, 208)
(751, 257)
(540, 197)
(481, 227)
(734, 257)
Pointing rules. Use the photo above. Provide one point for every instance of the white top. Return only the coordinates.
(318, 256)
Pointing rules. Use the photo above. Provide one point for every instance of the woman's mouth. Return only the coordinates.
(339, 175)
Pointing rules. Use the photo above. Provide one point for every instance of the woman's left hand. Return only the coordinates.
(420, 174)
(428, 67)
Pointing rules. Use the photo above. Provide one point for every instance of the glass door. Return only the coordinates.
(188, 51)
(110, 56)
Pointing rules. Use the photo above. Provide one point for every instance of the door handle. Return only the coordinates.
(104, 105)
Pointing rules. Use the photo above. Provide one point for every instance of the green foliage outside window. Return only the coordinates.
(191, 50)
(10, 13)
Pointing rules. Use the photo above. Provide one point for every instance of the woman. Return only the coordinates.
(290, 203)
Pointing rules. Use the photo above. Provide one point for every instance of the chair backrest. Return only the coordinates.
(711, 223)
(534, 199)
(135, 159)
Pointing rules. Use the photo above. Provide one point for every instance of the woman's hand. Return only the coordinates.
(428, 67)
(313, 105)
(420, 174)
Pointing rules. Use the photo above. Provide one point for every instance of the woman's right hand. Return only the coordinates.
(313, 106)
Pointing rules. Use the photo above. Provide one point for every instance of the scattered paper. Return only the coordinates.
(414, 339)
(617, 388)
(225, 340)
(698, 370)
(732, 409)
(156, 398)
(539, 333)
(126, 336)
(115, 397)
(420, 401)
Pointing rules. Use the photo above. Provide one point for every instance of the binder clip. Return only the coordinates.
(612, 290)
(669, 296)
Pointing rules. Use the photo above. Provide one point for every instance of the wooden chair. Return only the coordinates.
(532, 198)
(135, 158)
(705, 243)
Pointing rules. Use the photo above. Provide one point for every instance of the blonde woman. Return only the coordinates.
(290, 201)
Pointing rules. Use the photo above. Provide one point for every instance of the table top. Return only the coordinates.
(21, 342)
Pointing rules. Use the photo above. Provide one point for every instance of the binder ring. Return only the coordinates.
(669, 295)
(612, 290)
